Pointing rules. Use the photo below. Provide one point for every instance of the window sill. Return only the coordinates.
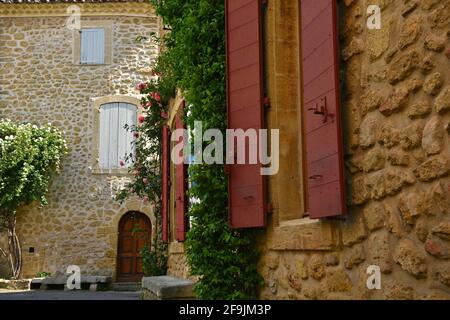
(304, 234)
(111, 172)
(92, 64)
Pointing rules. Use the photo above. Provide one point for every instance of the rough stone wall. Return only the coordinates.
(396, 102)
(39, 83)
(177, 264)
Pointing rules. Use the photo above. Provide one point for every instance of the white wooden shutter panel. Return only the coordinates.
(105, 115)
(93, 46)
(113, 137)
(127, 116)
(115, 140)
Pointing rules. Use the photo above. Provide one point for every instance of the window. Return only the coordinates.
(300, 78)
(115, 140)
(175, 183)
(92, 46)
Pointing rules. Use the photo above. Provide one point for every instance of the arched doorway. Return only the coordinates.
(134, 233)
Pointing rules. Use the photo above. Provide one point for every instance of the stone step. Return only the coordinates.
(126, 286)
(167, 288)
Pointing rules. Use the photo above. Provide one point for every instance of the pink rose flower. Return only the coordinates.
(148, 104)
(141, 86)
(122, 163)
(141, 118)
(136, 135)
(145, 181)
(157, 97)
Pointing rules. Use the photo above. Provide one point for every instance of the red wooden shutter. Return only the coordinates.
(165, 181)
(180, 187)
(321, 110)
(246, 192)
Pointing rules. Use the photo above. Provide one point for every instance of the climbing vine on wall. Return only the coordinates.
(146, 161)
(193, 60)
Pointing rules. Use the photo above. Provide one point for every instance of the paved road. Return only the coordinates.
(67, 295)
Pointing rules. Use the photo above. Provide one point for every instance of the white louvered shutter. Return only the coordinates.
(115, 140)
(93, 46)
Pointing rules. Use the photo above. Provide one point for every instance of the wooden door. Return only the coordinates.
(134, 234)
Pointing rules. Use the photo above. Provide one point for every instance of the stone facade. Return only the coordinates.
(395, 109)
(40, 83)
(396, 127)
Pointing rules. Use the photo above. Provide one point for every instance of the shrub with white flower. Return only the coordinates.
(30, 156)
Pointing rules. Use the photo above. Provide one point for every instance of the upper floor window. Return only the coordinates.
(92, 46)
(115, 141)
(93, 43)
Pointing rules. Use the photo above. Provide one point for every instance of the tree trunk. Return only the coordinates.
(14, 250)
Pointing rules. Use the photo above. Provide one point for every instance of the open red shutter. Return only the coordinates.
(165, 181)
(180, 187)
(321, 110)
(247, 206)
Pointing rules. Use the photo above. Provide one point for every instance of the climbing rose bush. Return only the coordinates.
(147, 142)
(146, 163)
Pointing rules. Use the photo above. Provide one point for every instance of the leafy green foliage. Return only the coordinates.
(193, 60)
(146, 162)
(154, 262)
(43, 274)
(29, 156)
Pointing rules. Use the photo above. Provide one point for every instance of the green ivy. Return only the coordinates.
(193, 60)
(146, 163)
(154, 262)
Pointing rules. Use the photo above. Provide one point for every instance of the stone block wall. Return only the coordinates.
(39, 83)
(396, 103)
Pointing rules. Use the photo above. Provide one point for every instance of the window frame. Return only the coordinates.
(97, 103)
(291, 230)
(172, 238)
(112, 134)
(86, 31)
(107, 26)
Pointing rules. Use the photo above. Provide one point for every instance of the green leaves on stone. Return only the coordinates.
(193, 60)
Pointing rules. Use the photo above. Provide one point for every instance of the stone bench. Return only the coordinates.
(167, 288)
(58, 281)
(15, 284)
